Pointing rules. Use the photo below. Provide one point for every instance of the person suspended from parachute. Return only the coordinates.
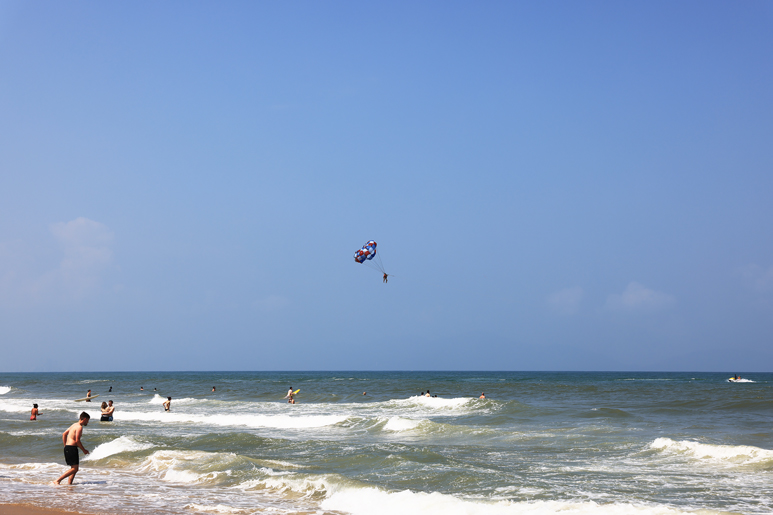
(365, 256)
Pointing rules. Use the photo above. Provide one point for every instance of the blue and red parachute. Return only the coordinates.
(368, 251)
(366, 256)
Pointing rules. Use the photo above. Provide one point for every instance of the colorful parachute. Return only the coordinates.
(366, 254)
(368, 251)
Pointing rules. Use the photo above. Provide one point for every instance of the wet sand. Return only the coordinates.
(26, 509)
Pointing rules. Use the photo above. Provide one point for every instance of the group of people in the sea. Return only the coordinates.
(71, 438)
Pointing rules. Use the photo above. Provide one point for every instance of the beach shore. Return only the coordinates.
(26, 509)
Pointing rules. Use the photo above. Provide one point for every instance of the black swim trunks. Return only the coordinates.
(71, 455)
(105, 418)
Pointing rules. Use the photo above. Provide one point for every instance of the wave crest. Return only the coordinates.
(735, 454)
(117, 446)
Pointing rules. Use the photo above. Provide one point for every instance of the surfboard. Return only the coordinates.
(296, 391)
(87, 398)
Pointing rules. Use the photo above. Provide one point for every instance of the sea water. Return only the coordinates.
(367, 443)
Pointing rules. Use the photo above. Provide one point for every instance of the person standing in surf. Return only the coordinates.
(110, 410)
(167, 404)
(72, 442)
(88, 394)
(34, 413)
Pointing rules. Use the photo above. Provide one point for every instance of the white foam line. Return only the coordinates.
(270, 421)
(743, 454)
(372, 501)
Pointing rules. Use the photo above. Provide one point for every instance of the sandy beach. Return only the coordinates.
(26, 509)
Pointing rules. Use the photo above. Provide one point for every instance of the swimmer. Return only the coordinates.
(34, 413)
(88, 395)
(72, 442)
(105, 416)
(110, 410)
(482, 395)
(213, 388)
(142, 389)
(428, 395)
(110, 390)
(291, 401)
(167, 404)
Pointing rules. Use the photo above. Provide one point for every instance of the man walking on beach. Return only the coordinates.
(72, 441)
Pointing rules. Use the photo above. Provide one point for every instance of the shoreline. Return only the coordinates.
(29, 509)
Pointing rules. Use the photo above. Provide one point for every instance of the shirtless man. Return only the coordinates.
(167, 404)
(34, 413)
(110, 409)
(72, 441)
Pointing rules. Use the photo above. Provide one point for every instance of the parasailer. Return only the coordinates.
(366, 256)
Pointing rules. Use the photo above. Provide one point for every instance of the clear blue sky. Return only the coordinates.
(554, 185)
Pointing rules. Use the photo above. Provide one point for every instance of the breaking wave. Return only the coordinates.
(735, 454)
(117, 446)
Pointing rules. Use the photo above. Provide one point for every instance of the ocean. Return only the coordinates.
(366, 443)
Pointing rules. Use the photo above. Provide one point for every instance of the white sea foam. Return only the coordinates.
(268, 421)
(157, 399)
(401, 424)
(15, 406)
(31, 467)
(182, 476)
(439, 402)
(117, 446)
(4, 389)
(218, 508)
(736, 454)
(372, 501)
(304, 486)
(183, 466)
(279, 463)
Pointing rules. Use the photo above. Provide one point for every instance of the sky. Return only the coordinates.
(552, 185)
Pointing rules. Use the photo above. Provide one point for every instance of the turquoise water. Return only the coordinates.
(660, 443)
